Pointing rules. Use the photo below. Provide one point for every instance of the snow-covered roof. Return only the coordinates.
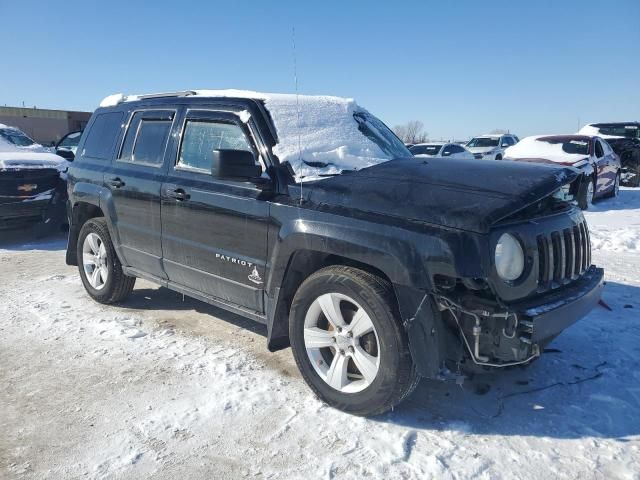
(426, 144)
(536, 147)
(591, 130)
(313, 128)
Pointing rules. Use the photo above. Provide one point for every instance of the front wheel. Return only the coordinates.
(348, 341)
(586, 194)
(99, 266)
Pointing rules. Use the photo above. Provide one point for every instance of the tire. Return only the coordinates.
(615, 191)
(498, 157)
(369, 299)
(583, 193)
(634, 181)
(117, 286)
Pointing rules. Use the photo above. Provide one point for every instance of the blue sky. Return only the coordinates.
(461, 67)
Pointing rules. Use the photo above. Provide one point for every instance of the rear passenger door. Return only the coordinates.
(134, 180)
(214, 231)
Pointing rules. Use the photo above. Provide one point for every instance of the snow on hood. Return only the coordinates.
(309, 127)
(531, 147)
(16, 158)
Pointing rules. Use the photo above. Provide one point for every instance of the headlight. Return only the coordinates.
(509, 257)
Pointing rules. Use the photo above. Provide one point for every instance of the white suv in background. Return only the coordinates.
(440, 149)
(491, 147)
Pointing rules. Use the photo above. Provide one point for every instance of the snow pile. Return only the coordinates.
(614, 224)
(113, 100)
(531, 147)
(311, 128)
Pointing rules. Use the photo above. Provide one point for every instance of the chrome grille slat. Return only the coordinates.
(571, 252)
(577, 268)
(549, 278)
(586, 229)
(585, 243)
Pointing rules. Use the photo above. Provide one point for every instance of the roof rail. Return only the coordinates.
(184, 93)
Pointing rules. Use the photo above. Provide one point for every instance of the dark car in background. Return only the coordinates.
(591, 155)
(624, 138)
(32, 187)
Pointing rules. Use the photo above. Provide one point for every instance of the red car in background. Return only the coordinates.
(591, 154)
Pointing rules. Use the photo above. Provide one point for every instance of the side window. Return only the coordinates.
(102, 136)
(507, 141)
(146, 137)
(448, 150)
(202, 137)
(599, 150)
(456, 149)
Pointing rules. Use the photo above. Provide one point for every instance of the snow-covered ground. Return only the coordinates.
(167, 387)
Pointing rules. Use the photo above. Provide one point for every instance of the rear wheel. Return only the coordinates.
(348, 341)
(615, 191)
(634, 175)
(100, 269)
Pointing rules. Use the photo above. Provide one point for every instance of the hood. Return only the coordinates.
(481, 149)
(19, 159)
(453, 193)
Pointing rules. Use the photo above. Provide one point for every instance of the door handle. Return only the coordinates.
(178, 194)
(116, 182)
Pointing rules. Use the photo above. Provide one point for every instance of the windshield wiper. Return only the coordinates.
(318, 164)
(336, 174)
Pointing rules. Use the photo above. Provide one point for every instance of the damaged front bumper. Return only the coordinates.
(515, 333)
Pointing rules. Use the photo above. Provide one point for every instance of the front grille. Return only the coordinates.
(563, 256)
(27, 182)
(478, 156)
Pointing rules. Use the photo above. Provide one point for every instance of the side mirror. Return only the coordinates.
(234, 165)
(66, 154)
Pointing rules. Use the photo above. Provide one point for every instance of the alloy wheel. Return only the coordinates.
(590, 193)
(94, 261)
(341, 343)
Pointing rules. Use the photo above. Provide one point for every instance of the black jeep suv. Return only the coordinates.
(307, 214)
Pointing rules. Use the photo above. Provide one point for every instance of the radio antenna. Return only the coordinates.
(295, 81)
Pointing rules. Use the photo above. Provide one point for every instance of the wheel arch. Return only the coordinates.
(81, 212)
(301, 264)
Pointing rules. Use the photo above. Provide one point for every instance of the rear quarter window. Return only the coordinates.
(102, 136)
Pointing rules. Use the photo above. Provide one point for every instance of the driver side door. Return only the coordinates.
(214, 230)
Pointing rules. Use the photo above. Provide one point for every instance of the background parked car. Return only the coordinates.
(624, 138)
(441, 149)
(590, 154)
(491, 147)
(68, 145)
(32, 187)
(17, 138)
